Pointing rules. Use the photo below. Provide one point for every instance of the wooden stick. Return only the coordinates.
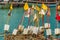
(43, 20)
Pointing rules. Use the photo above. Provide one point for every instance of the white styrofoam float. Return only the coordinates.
(48, 32)
(35, 30)
(6, 27)
(21, 27)
(14, 32)
(30, 27)
(26, 14)
(57, 31)
(47, 25)
(25, 31)
(41, 29)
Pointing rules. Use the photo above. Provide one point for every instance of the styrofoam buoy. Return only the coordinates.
(48, 32)
(27, 15)
(47, 25)
(15, 31)
(57, 31)
(41, 29)
(25, 31)
(30, 27)
(21, 27)
(6, 27)
(35, 30)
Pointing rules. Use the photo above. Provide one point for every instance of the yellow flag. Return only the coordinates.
(37, 8)
(44, 7)
(11, 7)
(26, 6)
(58, 7)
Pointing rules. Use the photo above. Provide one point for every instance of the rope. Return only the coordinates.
(29, 18)
(48, 16)
(21, 21)
(43, 20)
(42, 17)
(56, 16)
(8, 17)
(48, 21)
(32, 17)
(56, 24)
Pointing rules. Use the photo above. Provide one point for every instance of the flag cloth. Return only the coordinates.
(57, 16)
(37, 8)
(11, 7)
(26, 6)
(44, 7)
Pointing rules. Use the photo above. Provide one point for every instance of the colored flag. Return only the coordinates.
(26, 6)
(11, 7)
(44, 7)
(37, 8)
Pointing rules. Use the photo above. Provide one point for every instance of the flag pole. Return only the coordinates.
(8, 18)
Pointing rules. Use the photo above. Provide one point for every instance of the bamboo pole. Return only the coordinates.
(8, 19)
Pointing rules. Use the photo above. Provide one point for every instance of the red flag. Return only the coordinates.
(57, 16)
